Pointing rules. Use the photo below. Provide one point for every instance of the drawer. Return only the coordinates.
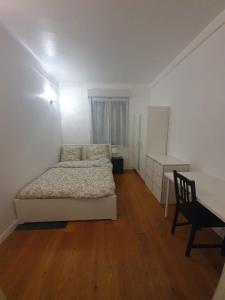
(157, 180)
(158, 169)
(149, 184)
(156, 191)
(149, 172)
(149, 163)
(147, 178)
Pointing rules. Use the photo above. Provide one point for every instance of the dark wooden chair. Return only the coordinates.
(197, 215)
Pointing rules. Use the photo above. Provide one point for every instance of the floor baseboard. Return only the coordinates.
(8, 231)
(141, 175)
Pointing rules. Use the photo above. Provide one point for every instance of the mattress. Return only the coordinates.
(71, 181)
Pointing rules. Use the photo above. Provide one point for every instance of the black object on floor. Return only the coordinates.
(117, 162)
(42, 225)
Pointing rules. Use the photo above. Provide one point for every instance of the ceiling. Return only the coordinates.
(107, 41)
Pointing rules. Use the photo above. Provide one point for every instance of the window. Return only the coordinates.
(109, 121)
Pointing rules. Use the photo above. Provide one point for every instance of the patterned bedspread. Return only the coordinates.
(71, 182)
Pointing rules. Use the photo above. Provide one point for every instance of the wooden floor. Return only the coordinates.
(135, 257)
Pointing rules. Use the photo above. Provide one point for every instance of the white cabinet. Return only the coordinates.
(156, 166)
(157, 129)
(150, 135)
(157, 162)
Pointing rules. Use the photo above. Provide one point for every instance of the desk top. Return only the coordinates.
(209, 189)
(167, 160)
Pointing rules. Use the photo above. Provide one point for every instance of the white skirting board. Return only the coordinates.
(8, 231)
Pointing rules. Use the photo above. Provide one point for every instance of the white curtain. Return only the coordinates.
(109, 121)
(119, 120)
(100, 121)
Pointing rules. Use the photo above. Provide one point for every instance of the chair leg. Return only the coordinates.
(191, 240)
(175, 220)
(223, 248)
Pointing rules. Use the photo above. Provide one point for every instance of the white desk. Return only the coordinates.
(210, 192)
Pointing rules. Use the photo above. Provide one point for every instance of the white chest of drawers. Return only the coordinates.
(156, 166)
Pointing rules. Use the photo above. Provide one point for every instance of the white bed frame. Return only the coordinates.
(41, 210)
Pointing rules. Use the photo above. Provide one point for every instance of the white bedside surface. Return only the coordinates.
(167, 160)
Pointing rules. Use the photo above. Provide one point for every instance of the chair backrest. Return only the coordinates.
(184, 189)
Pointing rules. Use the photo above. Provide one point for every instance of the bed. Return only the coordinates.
(79, 187)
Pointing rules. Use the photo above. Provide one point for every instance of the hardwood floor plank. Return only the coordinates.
(134, 257)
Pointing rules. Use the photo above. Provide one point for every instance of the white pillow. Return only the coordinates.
(95, 152)
(71, 153)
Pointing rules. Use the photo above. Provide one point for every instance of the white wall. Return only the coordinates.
(76, 114)
(195, 89)
(30, 127)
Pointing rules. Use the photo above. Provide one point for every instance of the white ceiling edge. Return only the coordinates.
(104, 85)
(206, 33)
(41, 69)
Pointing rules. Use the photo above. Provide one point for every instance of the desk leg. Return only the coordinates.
(167, 198)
